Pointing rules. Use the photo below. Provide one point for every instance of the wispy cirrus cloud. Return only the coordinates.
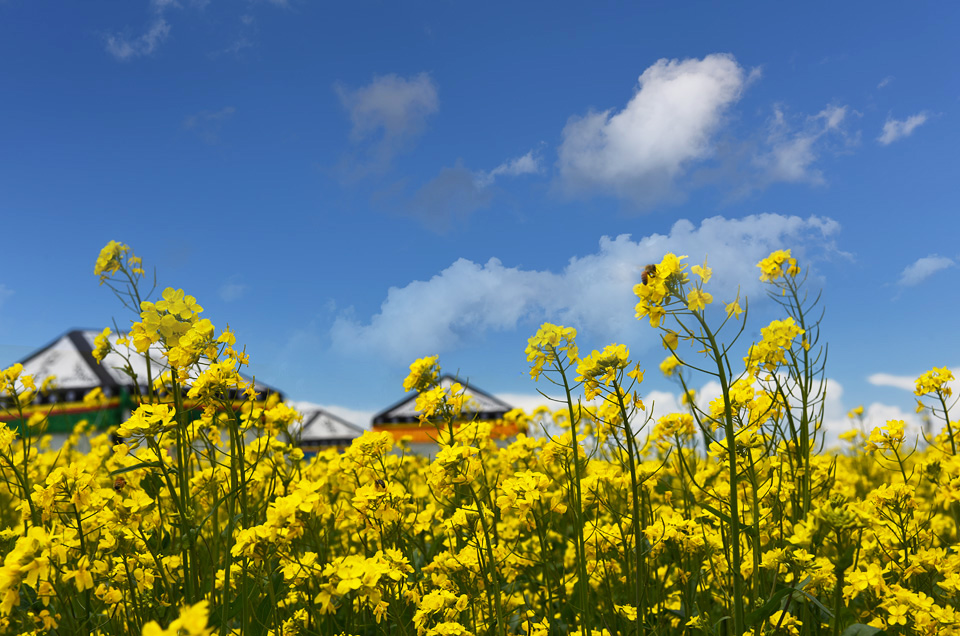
(789, 153)
(527, 164)
(128, 45)
(895, 129)
(923, 268)
(125, 48)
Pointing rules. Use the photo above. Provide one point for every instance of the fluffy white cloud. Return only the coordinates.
(389, 112)
(670, 123)
(593, 292)
(894, 129)
(789, 154)
(885, 81)
(125, 48)
(924, 268)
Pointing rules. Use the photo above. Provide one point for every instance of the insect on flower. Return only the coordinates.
(119, 483)
(649, 270)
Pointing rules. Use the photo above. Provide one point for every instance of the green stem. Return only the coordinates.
(946, 417)
(639, 600)
(494, 573)
(586, 619)
(739, 617)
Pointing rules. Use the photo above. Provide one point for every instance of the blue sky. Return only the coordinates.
(351, 186)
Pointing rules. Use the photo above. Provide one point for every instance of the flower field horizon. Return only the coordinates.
(200, 514)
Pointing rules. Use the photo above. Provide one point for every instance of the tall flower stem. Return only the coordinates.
(586, 618)
(739, 617)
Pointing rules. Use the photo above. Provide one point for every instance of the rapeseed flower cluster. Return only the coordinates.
(779, 264)
(724, 517)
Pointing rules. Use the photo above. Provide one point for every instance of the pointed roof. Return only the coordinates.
(322, 428)
(70, 359)
(479, 404)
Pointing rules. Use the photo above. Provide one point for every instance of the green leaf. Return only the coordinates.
(821, 606)
(127, 469)
(760, 614)
(152, 485)
(859, 629)
(716, 626)
(726, 518)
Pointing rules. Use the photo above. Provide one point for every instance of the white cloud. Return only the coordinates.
(907, 382)
(125, 48)
(789, 154)
(640, 151)
(527, 164)
(924, 268)
(885, 81)
(835, 420)
(877, 414)
(897, 381)
(592, 293)
(894, 129)
(389, 113)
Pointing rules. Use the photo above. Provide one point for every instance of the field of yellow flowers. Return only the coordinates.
(723, 519)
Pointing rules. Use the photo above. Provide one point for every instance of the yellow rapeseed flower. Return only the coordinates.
(779, 264)
(101, 345)
(935, 381)
(697, 300)
(548, 346)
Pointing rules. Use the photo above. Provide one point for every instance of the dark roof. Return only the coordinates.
(491, 407)
(70, 359)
